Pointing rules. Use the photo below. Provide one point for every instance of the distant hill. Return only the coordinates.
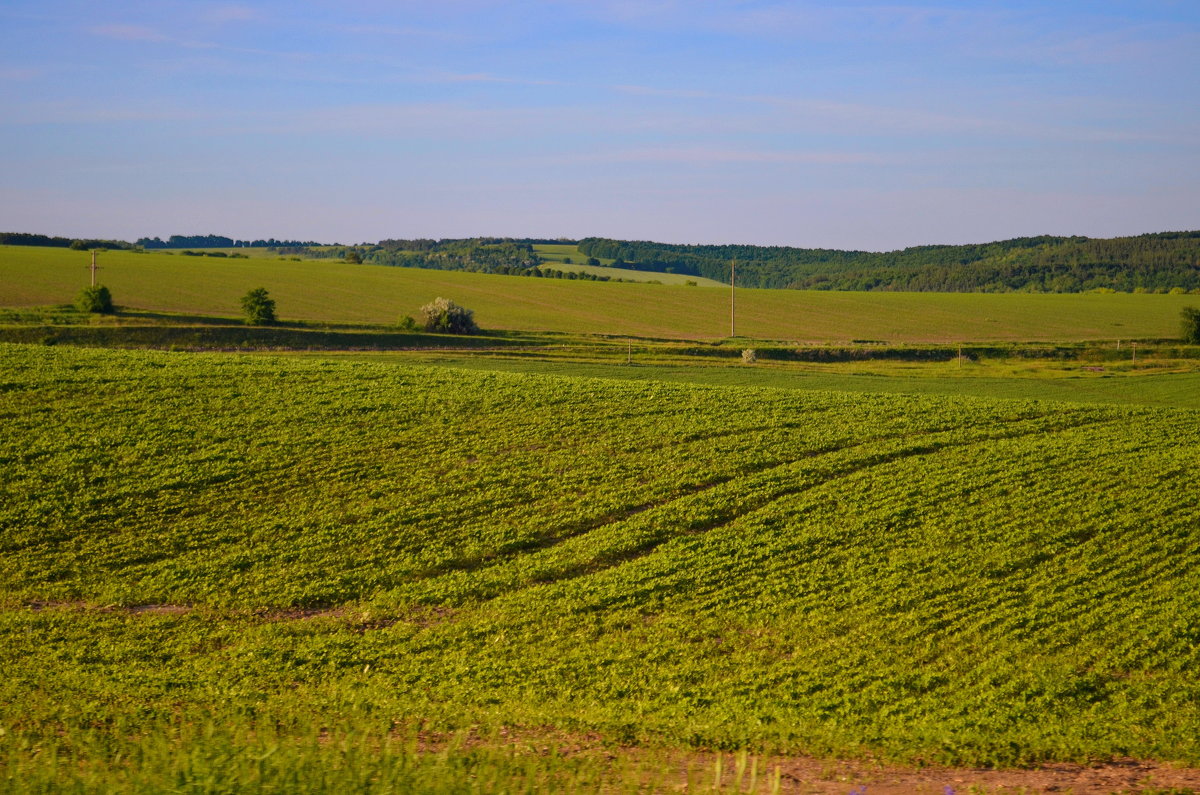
(1154, 262)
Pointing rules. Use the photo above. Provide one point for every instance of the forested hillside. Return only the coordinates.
(1044, 264)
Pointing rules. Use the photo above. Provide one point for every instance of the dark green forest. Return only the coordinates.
(489, 255)
(1158, 262)
(27, 239)
(217, 241)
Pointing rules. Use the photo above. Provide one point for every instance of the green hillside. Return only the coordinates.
(569, 258)
(1163, 261)
(297, 548)
(331, 290)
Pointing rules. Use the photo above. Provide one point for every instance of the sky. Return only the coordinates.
(851, 125)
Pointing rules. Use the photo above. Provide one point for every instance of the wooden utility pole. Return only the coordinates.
(733, 297)
(94, 267)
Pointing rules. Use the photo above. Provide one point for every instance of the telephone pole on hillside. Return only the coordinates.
(94, 267)
(732, 297)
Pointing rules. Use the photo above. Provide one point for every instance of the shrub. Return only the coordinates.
(258, 307)
(446, 317)
(1191, 325)
(750, 356)
(95, 299)
(407, 323)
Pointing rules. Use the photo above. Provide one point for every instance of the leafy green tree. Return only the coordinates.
(1191, 325)
(258, 307)
(95, 299)
(446, 317)
(353, 257)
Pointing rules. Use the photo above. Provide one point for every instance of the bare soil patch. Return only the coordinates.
(1120, 776)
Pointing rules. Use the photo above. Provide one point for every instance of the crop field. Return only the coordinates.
(556, 256)
(1169, 384)
(251, 568)
(248, 252)
(332, 291)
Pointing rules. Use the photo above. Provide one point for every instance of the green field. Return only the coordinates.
(555, 256)
(1149, 385)
(590, 550)
(329, 290)
(258, 252)
(224, 567)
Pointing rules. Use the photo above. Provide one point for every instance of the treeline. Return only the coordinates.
(26, 239)
(218, 241)
(1158, 262)
(483, 255)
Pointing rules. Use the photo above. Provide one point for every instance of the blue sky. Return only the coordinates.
(833, 124)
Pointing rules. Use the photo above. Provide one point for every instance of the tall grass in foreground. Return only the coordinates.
(213, 757)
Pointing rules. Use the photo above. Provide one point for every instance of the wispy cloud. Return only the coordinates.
(231, 13)
(484, 77)
(820, 116)
(128, 33)
(406, 32)
(17, 74)
(1043, 34)
(61, 112)
(650, 91)
(693, 155)
(142, 33)
(1138, 44)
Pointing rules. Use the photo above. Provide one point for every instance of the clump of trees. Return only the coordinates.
(1191, 325)
(96, 299)
(258, 307)
(446, 317)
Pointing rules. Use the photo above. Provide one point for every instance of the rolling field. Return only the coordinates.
(239, 567)
(556, 254)
(1071, 383)
(323, 290)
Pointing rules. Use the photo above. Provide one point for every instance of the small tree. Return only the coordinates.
(446, 317)
(1191, 325)
(353, 257)
(95, 299)
(258, 307)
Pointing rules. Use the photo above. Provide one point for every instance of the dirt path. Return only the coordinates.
(1124, 776)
